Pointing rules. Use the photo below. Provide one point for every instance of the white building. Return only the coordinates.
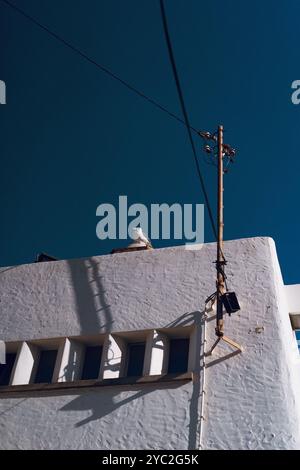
(108, 353)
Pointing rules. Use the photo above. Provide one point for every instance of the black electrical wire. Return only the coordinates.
(94, 62)
(135, 90)
(186, 119)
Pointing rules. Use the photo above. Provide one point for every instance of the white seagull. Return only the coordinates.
(137, 234)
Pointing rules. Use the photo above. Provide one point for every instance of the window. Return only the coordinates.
(45, 366)
(120, 358)
(6, 369)
(136, 354)
(297, 333)
(178, 355)
(91, 364)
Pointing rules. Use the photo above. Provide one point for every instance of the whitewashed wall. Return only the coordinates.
(251, 399)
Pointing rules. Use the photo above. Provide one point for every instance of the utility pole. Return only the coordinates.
(220, 258)
(218, 152)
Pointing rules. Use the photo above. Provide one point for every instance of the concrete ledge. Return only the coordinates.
(79, 384)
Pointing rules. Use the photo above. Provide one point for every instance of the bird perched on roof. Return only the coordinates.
(137, 234)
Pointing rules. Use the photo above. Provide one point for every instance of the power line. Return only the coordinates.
(186, 119)
(108, 72)
(94, 62)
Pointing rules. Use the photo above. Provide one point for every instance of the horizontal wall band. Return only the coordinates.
(79, 384)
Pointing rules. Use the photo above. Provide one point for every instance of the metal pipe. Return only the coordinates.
(203, 390)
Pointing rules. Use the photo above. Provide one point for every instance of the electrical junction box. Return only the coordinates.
(230, 302)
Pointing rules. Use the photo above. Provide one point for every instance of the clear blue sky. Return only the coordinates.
(72, 138)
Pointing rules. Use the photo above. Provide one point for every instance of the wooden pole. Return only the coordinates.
(220, 258)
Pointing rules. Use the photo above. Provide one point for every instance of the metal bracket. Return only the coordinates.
(232, 343)
(228, 341)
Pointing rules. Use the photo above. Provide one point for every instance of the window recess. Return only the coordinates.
(135, 359)
(178, 355)
(91, 362)
(7, 368)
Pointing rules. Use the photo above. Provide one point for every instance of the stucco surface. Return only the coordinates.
(251, 399)
(102, 419)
